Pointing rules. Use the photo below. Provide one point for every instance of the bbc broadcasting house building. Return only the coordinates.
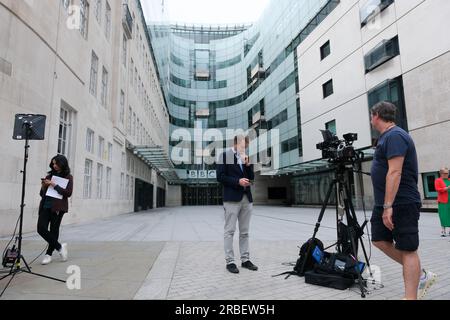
(305, 66)
(116, 88)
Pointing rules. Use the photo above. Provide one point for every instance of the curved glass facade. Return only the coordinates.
(242, 76)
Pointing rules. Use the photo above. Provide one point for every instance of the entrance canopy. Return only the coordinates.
(157, 158)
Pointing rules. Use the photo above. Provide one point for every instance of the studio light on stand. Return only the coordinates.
(26, 127)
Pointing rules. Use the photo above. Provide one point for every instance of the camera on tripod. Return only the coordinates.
(336, 150)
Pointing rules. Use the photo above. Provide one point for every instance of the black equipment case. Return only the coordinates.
(334, 281)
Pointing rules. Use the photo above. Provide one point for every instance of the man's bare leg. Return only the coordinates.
(411, 274)
(389, 249)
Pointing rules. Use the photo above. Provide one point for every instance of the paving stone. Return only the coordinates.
(177, 254)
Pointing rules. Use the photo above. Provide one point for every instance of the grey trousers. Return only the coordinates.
(237, 211)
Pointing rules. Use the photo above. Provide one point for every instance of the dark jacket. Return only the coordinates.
(229, 173)
(59, 205)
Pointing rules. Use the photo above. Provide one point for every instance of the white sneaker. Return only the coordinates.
(425, 284)
(63, 252)
(47, 259)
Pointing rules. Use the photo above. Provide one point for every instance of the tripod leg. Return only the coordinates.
(37, 274)
(6, 276)
(10, 271)
(360, 280)
(324, 207)
(26, 264)
(366, 257)
(352, 214)
(9, 282)
(316, 229)
(44, 276)
(352, 223)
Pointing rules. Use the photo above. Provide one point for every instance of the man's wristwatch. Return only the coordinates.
(387, 206)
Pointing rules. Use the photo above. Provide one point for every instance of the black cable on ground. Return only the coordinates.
(45, 249)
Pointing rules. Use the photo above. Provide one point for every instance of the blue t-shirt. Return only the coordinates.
(396, 143)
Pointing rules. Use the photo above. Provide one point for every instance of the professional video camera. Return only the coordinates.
(336, 150)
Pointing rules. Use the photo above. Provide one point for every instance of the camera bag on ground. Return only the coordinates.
(328, 280)
(335, 270)
(305, 258)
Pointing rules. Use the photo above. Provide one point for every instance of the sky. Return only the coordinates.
(216, 11)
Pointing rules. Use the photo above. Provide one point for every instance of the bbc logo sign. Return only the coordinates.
(202, 174)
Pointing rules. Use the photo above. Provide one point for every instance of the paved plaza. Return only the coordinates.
(177, 254)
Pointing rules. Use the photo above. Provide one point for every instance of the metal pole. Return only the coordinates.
(22, 203)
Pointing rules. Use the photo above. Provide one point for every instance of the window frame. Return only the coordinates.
(99, 180)
(84, 18)
(327, 126)
(108, 20)
(325, 87)
(87, 183)
(122, 107)
(65, 125)
(101, 147)
(90, 140)
(124, 50)
(366, 17)
(323, 53)
(104, 92)
(429, 195)
(108, 183)
(94, 74)
(387, 50)
(98, 7)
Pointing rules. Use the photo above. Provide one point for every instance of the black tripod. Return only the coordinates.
(347, 236)
(16, 265)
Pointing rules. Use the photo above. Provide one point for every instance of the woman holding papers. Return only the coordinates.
(56, 189)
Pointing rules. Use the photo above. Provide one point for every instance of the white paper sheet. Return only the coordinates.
(51, 192)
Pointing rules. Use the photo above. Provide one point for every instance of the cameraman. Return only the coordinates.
(395, 217)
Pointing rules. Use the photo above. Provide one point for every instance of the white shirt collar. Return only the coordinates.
(238, 156)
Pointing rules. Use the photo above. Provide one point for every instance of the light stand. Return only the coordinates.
(16, 268)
